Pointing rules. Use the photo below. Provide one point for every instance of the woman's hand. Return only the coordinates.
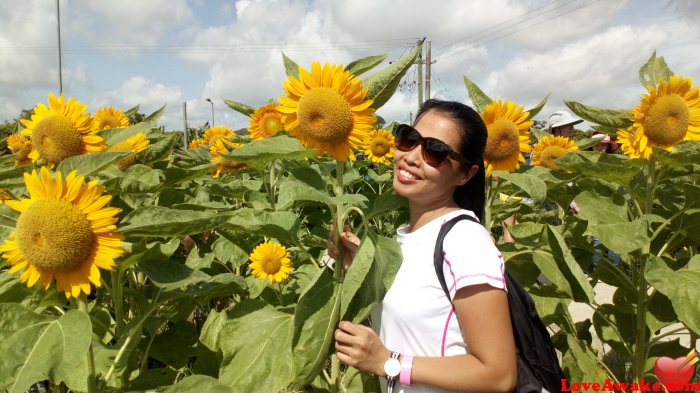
(350, 243)
(360, 347)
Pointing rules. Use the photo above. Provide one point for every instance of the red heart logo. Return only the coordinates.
(671, 374)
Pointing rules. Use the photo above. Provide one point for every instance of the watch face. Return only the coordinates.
(392, 367)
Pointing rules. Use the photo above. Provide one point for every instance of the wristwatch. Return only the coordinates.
(392, 368)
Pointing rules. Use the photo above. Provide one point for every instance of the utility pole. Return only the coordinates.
(427, 70)
(419, 61)
(184, 116)
(60, 72)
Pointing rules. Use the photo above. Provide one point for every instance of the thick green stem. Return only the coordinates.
(640, 347)
(89, 357)
(272, 191)
(489, 201)
(335, 374)
(118, 299)
(339, 220)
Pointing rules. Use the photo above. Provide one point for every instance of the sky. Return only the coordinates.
(169, 52)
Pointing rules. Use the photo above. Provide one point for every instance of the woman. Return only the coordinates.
(438, 167)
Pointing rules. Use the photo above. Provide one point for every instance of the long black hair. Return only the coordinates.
(473, 134)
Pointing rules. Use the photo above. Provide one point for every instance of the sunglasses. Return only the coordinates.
(435, 152)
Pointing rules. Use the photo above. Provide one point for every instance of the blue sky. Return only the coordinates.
(129, 52)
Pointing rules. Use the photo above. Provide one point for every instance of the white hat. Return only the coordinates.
(562, 118)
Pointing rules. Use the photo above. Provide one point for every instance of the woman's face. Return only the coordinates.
(418, 181)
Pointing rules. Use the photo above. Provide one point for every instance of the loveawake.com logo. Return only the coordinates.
(674, 376)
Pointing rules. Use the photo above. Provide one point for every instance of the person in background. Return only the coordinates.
(606, 145)
(561, 123)
(426, 343)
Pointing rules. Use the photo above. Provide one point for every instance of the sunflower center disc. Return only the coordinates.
(379, 147)
(503, 140)
(271, 264)
(551, 153)
(55, 235)
(324, 115)
(21, 151)
(271, 124)
(666, 122)
(56, 139)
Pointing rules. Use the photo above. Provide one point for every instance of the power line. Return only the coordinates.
(475, 44)
(507, 21)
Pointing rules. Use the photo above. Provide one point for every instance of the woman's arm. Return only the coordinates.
(490, 366)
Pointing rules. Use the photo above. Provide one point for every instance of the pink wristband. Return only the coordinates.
(406, 367)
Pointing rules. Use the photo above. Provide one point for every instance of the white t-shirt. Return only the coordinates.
(416, 317)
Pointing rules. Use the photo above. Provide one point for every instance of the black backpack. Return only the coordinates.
(538, 365)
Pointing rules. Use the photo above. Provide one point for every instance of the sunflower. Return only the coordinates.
(379, 147)
(265, 121)
(326, 110)
(664, 117)
(135, 144)
(108, 117)
(195, 143)
(61, 130)
(64, 232)
(508, 136)
(22, 147)
(270, 260)
(550, 148)
(220, 148)
(213, 134)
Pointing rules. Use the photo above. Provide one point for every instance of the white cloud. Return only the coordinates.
(149, 95)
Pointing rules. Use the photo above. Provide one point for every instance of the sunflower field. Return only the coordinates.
(132, 265)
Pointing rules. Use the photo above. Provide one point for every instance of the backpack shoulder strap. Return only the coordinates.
(438, 253)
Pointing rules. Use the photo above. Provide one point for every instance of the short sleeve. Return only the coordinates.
(471, 258)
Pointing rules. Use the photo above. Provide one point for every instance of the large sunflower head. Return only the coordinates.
(21, 146)
(135, 144)
(108, 117)
(265, 121)
(327, 110)
(213, 134)
(666, 115)
(508, 136)
(550, 148)
(379, 147)
(270, 260)
(220, 148)
(65, 232)
(61, 130)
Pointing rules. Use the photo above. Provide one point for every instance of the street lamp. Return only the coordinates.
(212, 111)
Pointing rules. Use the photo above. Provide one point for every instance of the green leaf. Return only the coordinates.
(602, 206)
(614, 168)
(256, 346)
(158, 150)
(360, 66)
(356, 274)
(115, 135)
(140, 179)
(581, 288)
(654, 71)
(478, 97)
(622, 237)
(169, 275)
(261, 152)
(292, 191)
(613, 275)
(176, 175)
(382, 85)
(548, 266)
(680, 286)
(617, 329)
(240, 107)
(615, 118)
(291, 67)
(281, 225)
(534, 111)
(175, 345)
(153, 117)
(227, 251)
(162, 221)
(682, 154)
(385, 203)
(199, 383)
(316, 316)
(42, 350)
(89, 164)
(16, 317)
(132, 111)
(532, 185)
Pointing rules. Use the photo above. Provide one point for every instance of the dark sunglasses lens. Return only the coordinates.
(435, 152)
(407, 138)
